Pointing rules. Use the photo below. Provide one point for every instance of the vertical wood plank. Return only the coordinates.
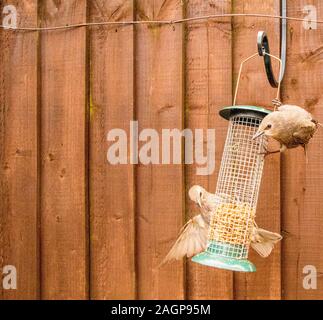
(208, 89)
(111, 186)
(18, 153)
(302, 183)
(255, 90)
(63, 151)
(159, 105)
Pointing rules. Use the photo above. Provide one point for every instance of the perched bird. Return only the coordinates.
(192, 238)
(290, 125)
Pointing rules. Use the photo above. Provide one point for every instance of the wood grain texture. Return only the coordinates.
(255, 90)
(302, 183)
(111, 186)
(18, 154)
(160, 188)
(208, 89)
(64, 248)
(62, 91)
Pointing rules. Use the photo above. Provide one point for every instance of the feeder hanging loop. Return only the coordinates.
(247, 60)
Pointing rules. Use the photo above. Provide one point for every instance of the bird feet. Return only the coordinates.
(267, 152)
(282, 149)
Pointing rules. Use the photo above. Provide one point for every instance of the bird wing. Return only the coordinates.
(264, 241)
(263, 249)
(213, 200)
(295, 109)
(304, 133)
(191, 240)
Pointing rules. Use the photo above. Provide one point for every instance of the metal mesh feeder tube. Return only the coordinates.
(237, 191)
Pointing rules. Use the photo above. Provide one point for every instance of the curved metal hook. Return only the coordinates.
(263, 50)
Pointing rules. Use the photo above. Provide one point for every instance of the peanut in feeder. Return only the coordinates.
(237, 189)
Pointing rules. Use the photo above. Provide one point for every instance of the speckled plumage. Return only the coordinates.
(290, 125)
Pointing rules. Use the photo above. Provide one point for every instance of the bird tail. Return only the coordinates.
(191, 240)
(266, 241)
(305, 151)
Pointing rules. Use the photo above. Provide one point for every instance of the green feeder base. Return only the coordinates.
(216, 261)
(225, 256)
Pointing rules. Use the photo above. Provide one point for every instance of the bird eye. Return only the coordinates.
(269, 126)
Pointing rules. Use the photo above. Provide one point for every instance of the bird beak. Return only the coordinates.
(258, 134)
(199, 203)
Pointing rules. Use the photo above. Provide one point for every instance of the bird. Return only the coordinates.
(290, 125)
(193, 235)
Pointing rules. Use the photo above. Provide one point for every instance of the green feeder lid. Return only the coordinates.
(228, 112)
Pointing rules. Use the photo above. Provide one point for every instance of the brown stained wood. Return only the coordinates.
(208, 89)
(302, 183)
(18, 154)
(256, 90)
(111, 186)
(64, 248)
(177, 76)
(160, 188)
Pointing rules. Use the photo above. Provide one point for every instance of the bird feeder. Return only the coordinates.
(237, 190)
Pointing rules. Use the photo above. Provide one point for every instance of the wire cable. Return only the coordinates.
(159, 22)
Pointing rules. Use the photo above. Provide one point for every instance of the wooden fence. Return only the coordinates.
(77, 227)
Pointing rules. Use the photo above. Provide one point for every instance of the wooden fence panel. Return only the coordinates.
(302, 183)
(18, 154)
(111, 186)
(159, 105)
(255, 90)
(64, 247)
(208, 88)
(76, 226)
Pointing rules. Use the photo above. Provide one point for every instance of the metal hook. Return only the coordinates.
(264, 51)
